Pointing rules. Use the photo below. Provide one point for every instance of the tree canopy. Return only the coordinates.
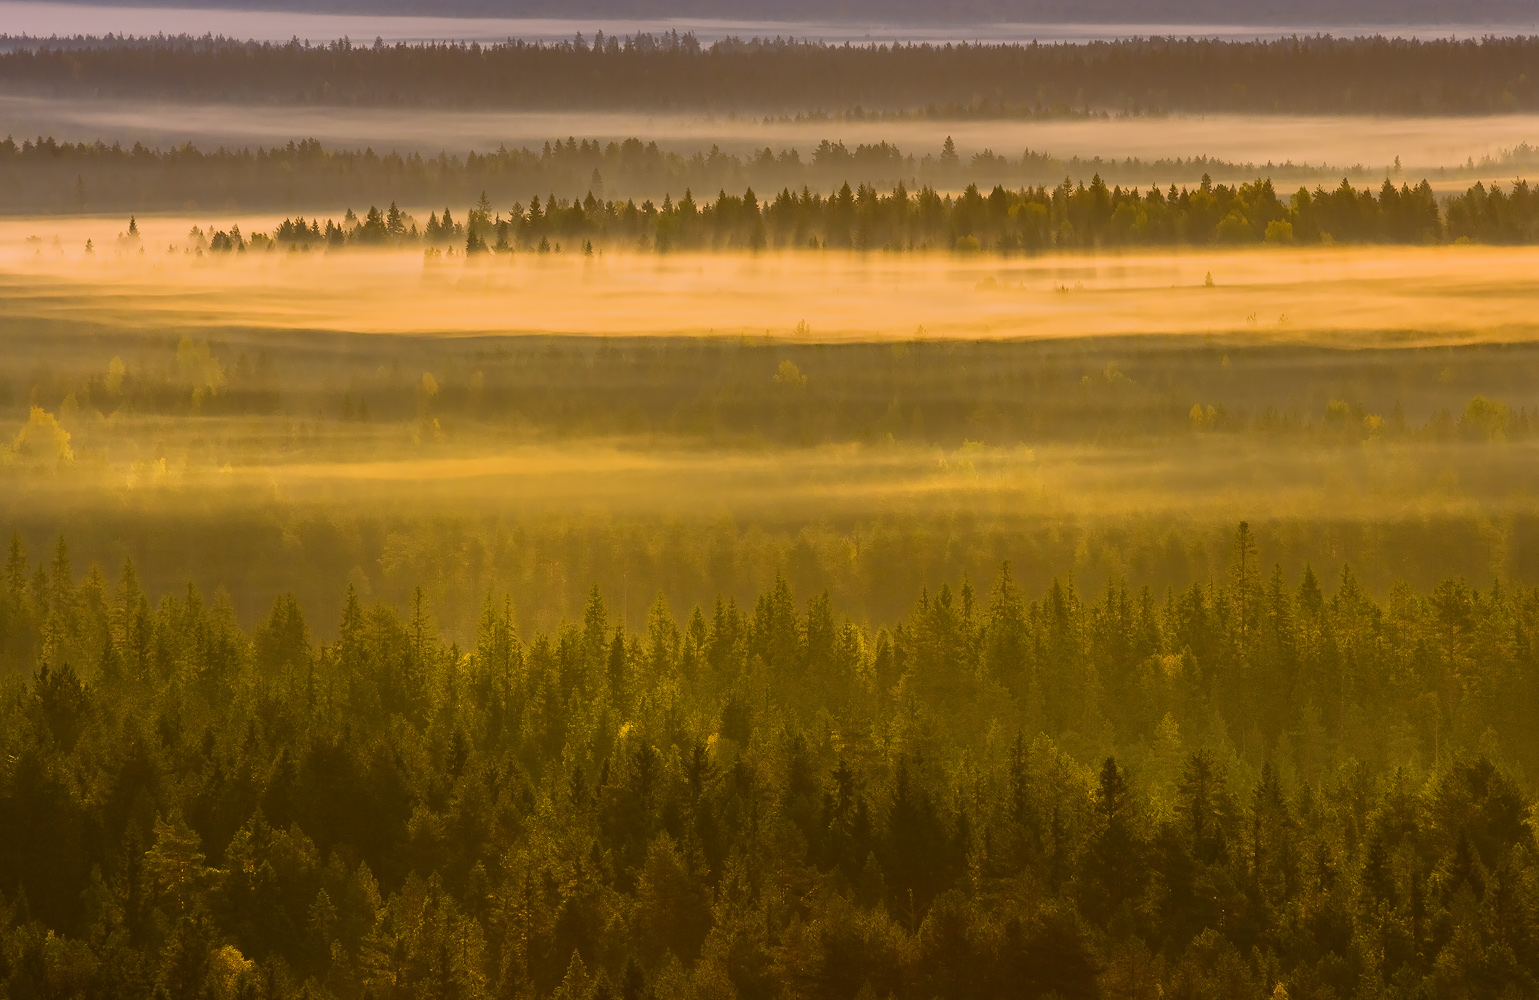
(1250, 787)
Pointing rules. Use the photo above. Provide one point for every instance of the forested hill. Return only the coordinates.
(675, 72)
(1253, 787)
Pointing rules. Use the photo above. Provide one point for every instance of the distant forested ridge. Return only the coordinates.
(43, 175)
(1249, 787)
(676, 72)
(1030, 220)
(916, 13)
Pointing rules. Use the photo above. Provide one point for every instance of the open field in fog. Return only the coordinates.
(1335, 295)
(870, 522)
(1343, 142)
(233, 467)
(937, 413)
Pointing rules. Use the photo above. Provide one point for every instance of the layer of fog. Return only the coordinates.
(196, 478)
(252, 544)
(467, 518)
(43, 20)
(1204, 479)
(1335, 295)
(1421, 144)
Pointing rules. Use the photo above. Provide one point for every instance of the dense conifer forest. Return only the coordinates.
(1253, 786)
(1309, 75)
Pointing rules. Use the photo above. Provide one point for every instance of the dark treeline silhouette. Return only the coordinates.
(1308, 75)
(1029, 219)
(1246, 787)
(43, 175)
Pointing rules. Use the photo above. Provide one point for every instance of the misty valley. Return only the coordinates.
(866, 522)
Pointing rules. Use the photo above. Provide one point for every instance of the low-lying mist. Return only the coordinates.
(269, 458)
(543, 528)
(1336, 296)
(1422, 144)
(696, 424)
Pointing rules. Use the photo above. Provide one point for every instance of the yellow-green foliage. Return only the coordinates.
(41, 441)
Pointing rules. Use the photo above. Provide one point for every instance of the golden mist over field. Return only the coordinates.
(1335, 295)
(975, 397)
(209, 469)
(976, 400)
(456, 429)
